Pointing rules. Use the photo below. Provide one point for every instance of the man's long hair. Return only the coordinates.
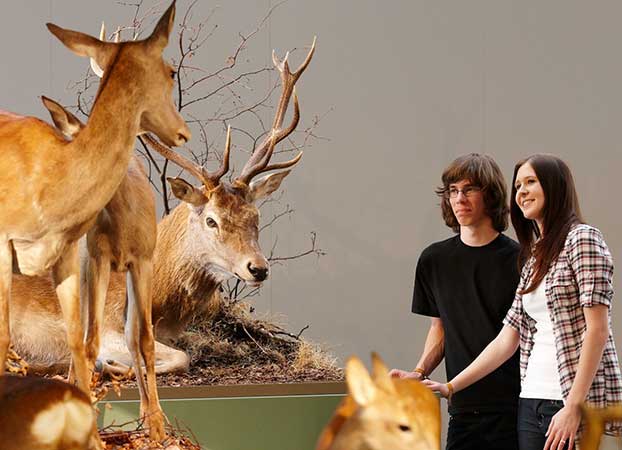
(561, 213)
(482, 171)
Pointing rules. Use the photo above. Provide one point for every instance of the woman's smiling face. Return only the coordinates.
(529, 194)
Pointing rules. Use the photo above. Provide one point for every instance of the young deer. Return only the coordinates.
(44, 414)
(53, 190)
(122, 239)
(381, 413)
(211, 236)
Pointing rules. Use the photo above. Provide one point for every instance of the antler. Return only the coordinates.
(258, 162)
(209, 180)
(102, 37)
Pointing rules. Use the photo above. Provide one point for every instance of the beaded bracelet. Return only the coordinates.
(420, 371)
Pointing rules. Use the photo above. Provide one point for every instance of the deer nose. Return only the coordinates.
(183, 136)
(259, 273)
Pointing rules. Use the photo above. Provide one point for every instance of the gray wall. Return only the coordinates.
(412, 85)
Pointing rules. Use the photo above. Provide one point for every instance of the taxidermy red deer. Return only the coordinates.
(122, 240)
(381, 413)
(52, 189)
(211, 236)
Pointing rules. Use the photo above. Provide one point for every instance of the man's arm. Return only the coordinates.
(433, 352)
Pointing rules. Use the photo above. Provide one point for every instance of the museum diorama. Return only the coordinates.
(159, 304)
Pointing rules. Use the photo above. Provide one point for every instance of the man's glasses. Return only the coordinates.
(467, 191)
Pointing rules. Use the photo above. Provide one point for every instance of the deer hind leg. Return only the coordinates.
(141, 342)
(170, 360)
(113, 355)
(66, 275)
(6, 275)
(97, 280)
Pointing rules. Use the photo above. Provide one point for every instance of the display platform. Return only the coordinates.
(244, 417)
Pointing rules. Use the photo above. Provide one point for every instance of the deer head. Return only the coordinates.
(223, 219)
(381, 413)
(152, 79)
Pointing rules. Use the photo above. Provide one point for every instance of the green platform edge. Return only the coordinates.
(247, 417)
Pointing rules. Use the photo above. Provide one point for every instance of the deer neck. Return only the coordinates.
(104, 147)
(183, 284)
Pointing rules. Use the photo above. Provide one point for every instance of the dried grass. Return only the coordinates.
(234, 339)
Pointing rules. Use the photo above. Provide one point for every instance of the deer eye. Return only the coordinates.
(404, 428)
(173, 74)
(211, 223)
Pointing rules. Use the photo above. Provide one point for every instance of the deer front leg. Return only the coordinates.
(97, 280)
(141, 342)
(66, 276)
(6, 275)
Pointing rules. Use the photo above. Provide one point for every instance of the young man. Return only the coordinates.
(466, 285)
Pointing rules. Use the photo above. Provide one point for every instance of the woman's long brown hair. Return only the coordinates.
(561, 213)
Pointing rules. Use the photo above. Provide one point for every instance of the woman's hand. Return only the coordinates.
(435, 386)
(563, 428)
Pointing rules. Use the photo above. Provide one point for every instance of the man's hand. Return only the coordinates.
(397, 373)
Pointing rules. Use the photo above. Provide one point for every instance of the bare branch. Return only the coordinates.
(287, 212)
(232, 60)
(313, 250)
(220, 88)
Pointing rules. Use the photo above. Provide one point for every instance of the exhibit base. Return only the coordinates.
(249, 417)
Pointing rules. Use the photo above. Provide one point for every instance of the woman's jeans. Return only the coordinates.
(534, 418)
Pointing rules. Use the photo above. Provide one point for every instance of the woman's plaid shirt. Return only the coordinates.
(580, 277)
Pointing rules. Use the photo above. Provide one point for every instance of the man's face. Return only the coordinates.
(467, 203)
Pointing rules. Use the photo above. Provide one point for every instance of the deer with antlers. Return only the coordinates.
(53, 189)
(211, 236)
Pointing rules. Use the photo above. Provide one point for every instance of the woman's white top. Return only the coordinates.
(542, 376)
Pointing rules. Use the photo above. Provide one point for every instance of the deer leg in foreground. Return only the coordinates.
(98, 277)
(141, 342)
(66, 276)
(6, 275)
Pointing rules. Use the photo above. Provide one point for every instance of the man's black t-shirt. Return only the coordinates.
(471, 290)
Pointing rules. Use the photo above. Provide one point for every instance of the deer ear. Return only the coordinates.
(360, 384)
(84, 45)
(66, 122)
(381, 374)
(161, 32)
(186, 192)
(267, 185)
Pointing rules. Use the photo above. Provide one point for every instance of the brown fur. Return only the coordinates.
(24, 399)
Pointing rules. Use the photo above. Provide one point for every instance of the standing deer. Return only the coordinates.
(44, 414)
(381, 413)
(211, 236)
(122, 239)
(52, 189)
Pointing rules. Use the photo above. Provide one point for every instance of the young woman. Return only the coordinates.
(560, 317)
